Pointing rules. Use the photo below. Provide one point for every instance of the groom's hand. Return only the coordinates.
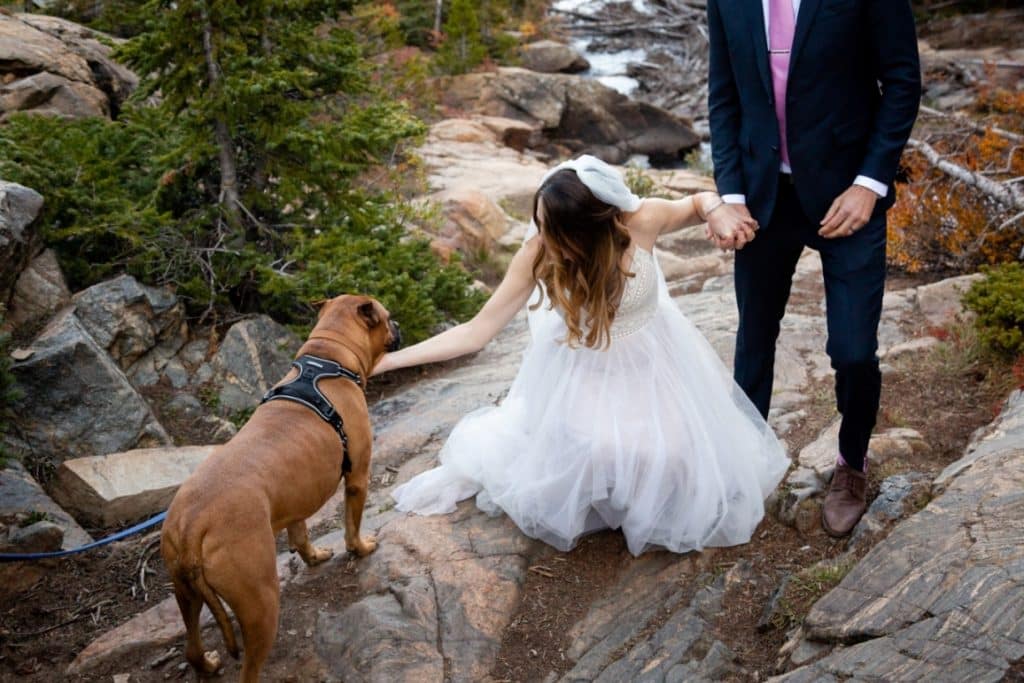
(731, 226)
(849, 213)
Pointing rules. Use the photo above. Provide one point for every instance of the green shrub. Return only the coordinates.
(998, 301)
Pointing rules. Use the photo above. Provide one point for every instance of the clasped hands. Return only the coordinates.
(731, 226)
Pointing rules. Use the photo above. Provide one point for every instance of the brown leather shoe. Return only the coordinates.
(845, 502)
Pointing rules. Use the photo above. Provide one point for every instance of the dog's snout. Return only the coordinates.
(396, 336)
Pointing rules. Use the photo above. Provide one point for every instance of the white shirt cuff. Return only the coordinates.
(878, 188)
(734, 198)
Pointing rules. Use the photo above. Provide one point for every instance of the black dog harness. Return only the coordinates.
(303, 389)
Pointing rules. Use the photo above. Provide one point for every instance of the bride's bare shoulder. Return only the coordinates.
(646, 222)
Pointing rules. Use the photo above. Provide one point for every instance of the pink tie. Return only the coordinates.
(781, 26)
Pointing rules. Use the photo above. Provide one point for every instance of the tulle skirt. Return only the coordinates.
(650, 436)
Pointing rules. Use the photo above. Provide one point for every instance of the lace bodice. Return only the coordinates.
(640, 297)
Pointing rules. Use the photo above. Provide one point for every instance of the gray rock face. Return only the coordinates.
(19, 207)
(549, 56)
(129, 319)
(582, 114)
(254, 355)
(76, 401)
(940, 599)
(21, 496)
(608, 647)
(39, 291)
(898, 496)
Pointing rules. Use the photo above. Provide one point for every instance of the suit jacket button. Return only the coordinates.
(775, 148)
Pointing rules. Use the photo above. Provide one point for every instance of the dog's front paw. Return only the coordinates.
(319, 556)
(364, 546)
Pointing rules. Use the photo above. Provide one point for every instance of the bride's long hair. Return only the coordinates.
(580, 259)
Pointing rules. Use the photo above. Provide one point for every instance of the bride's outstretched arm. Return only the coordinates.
(469, 337)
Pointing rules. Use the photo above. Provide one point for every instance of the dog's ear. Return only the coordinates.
(320, 306)
(368, 312)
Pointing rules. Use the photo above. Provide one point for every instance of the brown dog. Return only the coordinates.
(218, 538)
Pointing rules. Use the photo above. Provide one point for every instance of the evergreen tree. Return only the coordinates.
(463, 48)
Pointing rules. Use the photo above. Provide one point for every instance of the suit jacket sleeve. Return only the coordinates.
(723, 109)
(898, 68)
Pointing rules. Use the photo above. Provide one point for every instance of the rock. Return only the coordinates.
(582, 114)
(548, 56)
(473, 222)
(503, 174)
(683, 182)
(940, 302)
(39, 291)
(898, 496)
(913, 346)
(512, 133)
(107, 490)
(176, 374)
(115, 80)
(254, 355)
(462, 130)
(46, 93)
(22, 498)
(699, 267)
(620, 639)
(939, 599)
(129, 319)
(54, 66)
(39, 537)
(184, 405)
(19, 207)
(76, 401)
(194, 353)
(425, 614)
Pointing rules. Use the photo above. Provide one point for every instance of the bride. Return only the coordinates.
(621, 415)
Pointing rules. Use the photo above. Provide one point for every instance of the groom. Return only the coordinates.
(811, 103)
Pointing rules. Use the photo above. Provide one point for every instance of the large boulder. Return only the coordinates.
(19, 207)
(255, 354)
(53, 66)
(129, 319)
(76, 401)
(39, 291)
(581, 114)
(473, 222)
(106, 490)
(549, 56)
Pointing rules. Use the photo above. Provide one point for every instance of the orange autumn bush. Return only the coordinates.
(938, 222)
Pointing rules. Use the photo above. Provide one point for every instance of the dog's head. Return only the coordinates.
(362, 319)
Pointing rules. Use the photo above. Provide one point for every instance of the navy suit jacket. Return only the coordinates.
(852, 97)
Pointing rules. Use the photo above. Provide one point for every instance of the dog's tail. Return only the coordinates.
(212, 601)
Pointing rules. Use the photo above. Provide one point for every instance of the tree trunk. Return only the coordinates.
(228, 198)
(438, 11)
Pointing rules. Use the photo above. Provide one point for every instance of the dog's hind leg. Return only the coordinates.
(356, 484)
(191, 603)
(245, 576)
(298, 541)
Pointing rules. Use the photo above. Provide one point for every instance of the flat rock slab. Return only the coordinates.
(941, 598)
(105, 490)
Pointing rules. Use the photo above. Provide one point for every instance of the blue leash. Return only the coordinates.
(29, 557)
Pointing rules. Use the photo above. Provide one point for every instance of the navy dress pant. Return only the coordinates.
(854, 272)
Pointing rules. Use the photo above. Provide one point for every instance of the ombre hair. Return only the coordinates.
(580, 259)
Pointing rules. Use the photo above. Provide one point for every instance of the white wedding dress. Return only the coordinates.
(650, 436)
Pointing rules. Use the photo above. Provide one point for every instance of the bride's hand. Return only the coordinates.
(731, 226)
